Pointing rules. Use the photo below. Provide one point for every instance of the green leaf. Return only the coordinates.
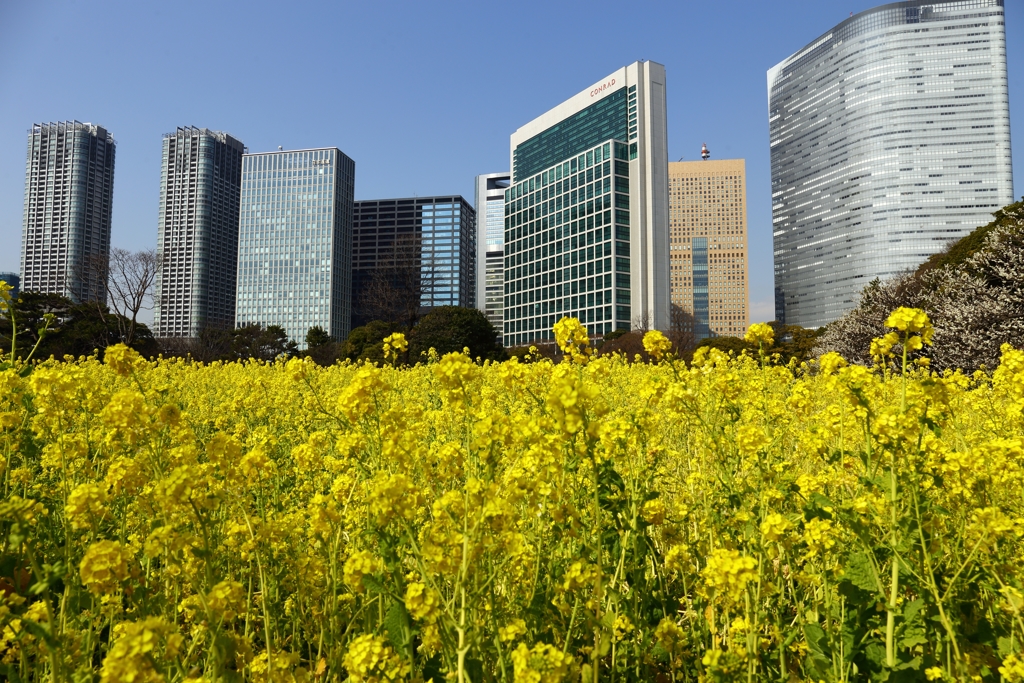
(859, 572)
(396, 622)
(911, 610)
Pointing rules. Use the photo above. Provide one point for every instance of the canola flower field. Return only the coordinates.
(587, 520)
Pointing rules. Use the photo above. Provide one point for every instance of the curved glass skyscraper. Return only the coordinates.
(890, 136)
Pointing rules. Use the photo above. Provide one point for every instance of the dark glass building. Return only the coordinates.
(410, 255)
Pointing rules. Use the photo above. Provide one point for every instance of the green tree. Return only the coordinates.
(265, 343)
(317, 336)
(453, 328)
(322, 347)
(78, 329)
(365, 343)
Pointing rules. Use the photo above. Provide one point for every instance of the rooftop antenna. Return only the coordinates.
(280, 148)
(704, 153)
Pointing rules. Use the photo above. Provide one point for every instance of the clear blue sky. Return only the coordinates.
(422, 95)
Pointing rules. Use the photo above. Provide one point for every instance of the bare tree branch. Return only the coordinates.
(402, 281)
(128, 278)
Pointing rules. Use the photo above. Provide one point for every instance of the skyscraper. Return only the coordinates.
(708, 221)
(69, 187)
(890, 136)
(586, 217)
(490, 243)
(295, 241)
(197, 232)
(411, 255)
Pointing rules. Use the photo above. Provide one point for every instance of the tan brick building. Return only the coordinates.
(708, 252)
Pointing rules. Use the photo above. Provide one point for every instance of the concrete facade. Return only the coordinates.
(709, 255)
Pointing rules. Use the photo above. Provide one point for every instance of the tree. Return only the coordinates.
(317, 336)
(78, 329)
(365, 342)
(973, 292)
(128, 278)
(628, 344)
(263, 343)
(321, 346)
(452, 328)
(733, 345)
(210, 345)
(394, 291)
(682, 331)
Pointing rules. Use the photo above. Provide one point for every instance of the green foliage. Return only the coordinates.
(78, 330)
(449, 329)
(366, 342)
(263, 343)
(733, 345)
(317, 336)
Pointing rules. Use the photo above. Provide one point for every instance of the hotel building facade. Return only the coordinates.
(586, 216)
(295, 241)
(490, 245)
(197, 232)
(708, 224)
(69, 191)
(890, 137)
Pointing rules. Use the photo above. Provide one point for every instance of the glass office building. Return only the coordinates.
(890, 136)
(295, 242)
(69, 190)
(490, 243)
(421, 247)
(708, 222)
(197, 232)
(586, 216)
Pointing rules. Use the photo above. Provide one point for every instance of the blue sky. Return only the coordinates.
(423, 96)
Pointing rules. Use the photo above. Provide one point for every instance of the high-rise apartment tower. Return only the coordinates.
(197, 232)
(708, 220)
(890, 136)
(295, 241)
(490, 243)
(412, 255)
(586, 217)
(69, 188)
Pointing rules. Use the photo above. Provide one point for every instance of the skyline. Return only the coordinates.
(425, 109)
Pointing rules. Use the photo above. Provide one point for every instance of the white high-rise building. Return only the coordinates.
(197, 232)
(586, 216)
(890, 136)
(69, 188)
(490, 242)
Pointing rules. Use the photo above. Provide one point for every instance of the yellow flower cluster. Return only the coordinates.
(656, 344)
(727, 574)
(395, 344)
(587, 519)
(760, 333)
